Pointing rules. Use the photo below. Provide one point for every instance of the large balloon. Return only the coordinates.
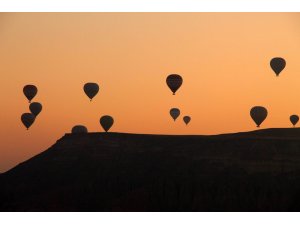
(186, 119)
(277, 64)
(35, 108)
(174, 112)
(294, 119)
(30, 91)
(258, 114)
(91, 89)
(174, 81)
(27, 119)
(106, 122)
(79, 129)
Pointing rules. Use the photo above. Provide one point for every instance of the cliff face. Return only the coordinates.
(252, 171)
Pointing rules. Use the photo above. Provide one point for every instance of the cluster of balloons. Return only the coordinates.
(174, 82)
(106, 122)
(35, 108)
(260, 113)
(175, 113)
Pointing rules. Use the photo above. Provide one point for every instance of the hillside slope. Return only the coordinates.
(249, 171)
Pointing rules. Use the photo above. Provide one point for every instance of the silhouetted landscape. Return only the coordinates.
(250, 171)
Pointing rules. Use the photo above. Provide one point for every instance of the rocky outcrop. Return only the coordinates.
(252, 171)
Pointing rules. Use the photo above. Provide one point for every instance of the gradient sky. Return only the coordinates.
(222, 57)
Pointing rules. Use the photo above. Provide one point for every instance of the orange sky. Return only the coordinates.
(222, 57)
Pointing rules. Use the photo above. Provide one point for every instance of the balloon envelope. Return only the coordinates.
(79, 129)
(186, 119)
(294, 119)
(258, 114)
(277, 64)
(106, 122)
(174, 81)
(91, 90)
(27, 119)
(174, 112)
(35, 108)
(30, 91)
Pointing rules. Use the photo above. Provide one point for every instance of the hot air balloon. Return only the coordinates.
(258, 114)
(174, 81)
(30, 91)
(91, 89)
(277, 64)
(79, 129)
(35, 108)
(106, 122)
(186, 119)
(27, 119)
(174, 112)
(294, 119)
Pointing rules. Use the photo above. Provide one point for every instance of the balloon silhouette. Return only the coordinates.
(277, 64)
(106, 122)
(294, 119)
(35, 108)
(186, 119)
(27, 119)
(174, 81)
(258, 114)
(174, 112)
(30, 91)
(91, 90)
(79, 129)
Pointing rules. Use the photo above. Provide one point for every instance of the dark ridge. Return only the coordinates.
(248, 171)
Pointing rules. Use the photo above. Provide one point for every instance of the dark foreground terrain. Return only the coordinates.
(253, 171)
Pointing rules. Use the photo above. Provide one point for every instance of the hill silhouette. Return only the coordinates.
(248, 171)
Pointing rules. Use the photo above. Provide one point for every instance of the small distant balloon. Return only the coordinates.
(294, 119)
(174, 112)
(258, 114)
(277, 64)
(106, 122)
(91, 90)
(27, 119)
(186, 119)
(35, 108)
(30, 91)
(174, 81)
(79, 129)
